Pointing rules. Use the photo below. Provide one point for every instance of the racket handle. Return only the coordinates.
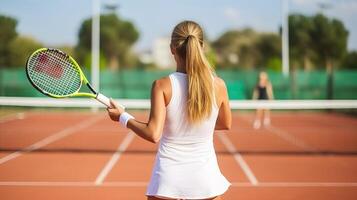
(105, 100)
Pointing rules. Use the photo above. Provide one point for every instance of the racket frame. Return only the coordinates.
(83, 80)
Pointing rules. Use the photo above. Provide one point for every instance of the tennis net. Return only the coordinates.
(145, 103)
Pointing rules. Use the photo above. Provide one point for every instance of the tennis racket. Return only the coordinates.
(56, 74)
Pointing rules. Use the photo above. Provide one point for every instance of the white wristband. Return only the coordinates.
(124, 118)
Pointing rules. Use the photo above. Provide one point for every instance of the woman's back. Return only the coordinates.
(177, 126)
(186, 163)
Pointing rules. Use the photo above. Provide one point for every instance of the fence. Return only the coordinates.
(136, 84)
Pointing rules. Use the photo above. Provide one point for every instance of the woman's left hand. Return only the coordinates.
(115, 110)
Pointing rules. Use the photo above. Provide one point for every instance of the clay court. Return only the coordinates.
(84, 155)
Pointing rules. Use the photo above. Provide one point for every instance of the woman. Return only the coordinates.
(262, 91)
(186, 108)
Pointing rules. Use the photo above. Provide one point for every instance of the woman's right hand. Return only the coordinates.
(115, 110)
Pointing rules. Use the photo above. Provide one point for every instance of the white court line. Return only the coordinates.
(13, 116)
(290, 138)
(239, 159)
(296, 184)
(295, 127)
(144, 184)
(52, 138)
(285, 136)
(46, 183)
(110, 164)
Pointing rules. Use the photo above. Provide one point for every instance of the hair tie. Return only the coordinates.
(190, 35)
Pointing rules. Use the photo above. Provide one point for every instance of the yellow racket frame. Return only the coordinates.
(83, 79)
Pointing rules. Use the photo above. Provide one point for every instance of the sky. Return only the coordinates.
(57, 22)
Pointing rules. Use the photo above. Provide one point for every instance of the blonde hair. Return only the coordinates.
(187, 40)
(263, 75)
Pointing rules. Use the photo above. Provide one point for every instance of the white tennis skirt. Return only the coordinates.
(186, 178)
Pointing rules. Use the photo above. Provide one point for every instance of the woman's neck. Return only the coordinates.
(180, 70)
(180, 67)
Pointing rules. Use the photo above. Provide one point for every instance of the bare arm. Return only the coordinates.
(270, 92)
(224, 119)
(255, 94)
(151, 130)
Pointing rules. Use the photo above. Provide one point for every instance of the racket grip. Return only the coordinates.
(105, 100)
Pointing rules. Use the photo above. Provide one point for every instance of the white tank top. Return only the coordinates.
(186, 164)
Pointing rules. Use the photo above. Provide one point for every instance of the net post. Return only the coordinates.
(285, 36)
(95, 46)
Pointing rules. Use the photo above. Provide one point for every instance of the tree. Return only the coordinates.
(247, 48)
(249, 56)
(20, 49)
(300, 40)
(350, 61)
(269, 46)
(329, 40)
(316, 41)
(7, 35)
(229, 48)
(116, 38)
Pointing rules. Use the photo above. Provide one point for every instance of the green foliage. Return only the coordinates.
(14, 49)
(116, 38)
(68, 49)
(274, 64)
(300, 40)
(330, 38)
(253, 49)
(269, 46)
(20, 49)
(350, 61)
(7, 35)
(88, 61)
(249, 56)
(231, 43)
(316, 40)
(211, 57)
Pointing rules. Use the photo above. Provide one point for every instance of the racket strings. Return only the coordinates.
(72, 74)
(43, 74)
(68, 85)
(54, 73)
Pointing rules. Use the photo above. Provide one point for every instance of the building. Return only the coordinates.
(161, 53)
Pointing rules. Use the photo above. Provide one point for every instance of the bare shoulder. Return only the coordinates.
(162, 83)
(221, 90)
(220, 84)
(163, 86)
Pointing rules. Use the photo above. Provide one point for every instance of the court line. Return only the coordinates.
(13, 116)
(114, 159)
(290, 138)
(297, 184)
(295, 127)
(144, 184)
(285, 136)
(52, 138)
(239, 159)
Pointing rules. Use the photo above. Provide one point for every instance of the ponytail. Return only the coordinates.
(199, 72)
